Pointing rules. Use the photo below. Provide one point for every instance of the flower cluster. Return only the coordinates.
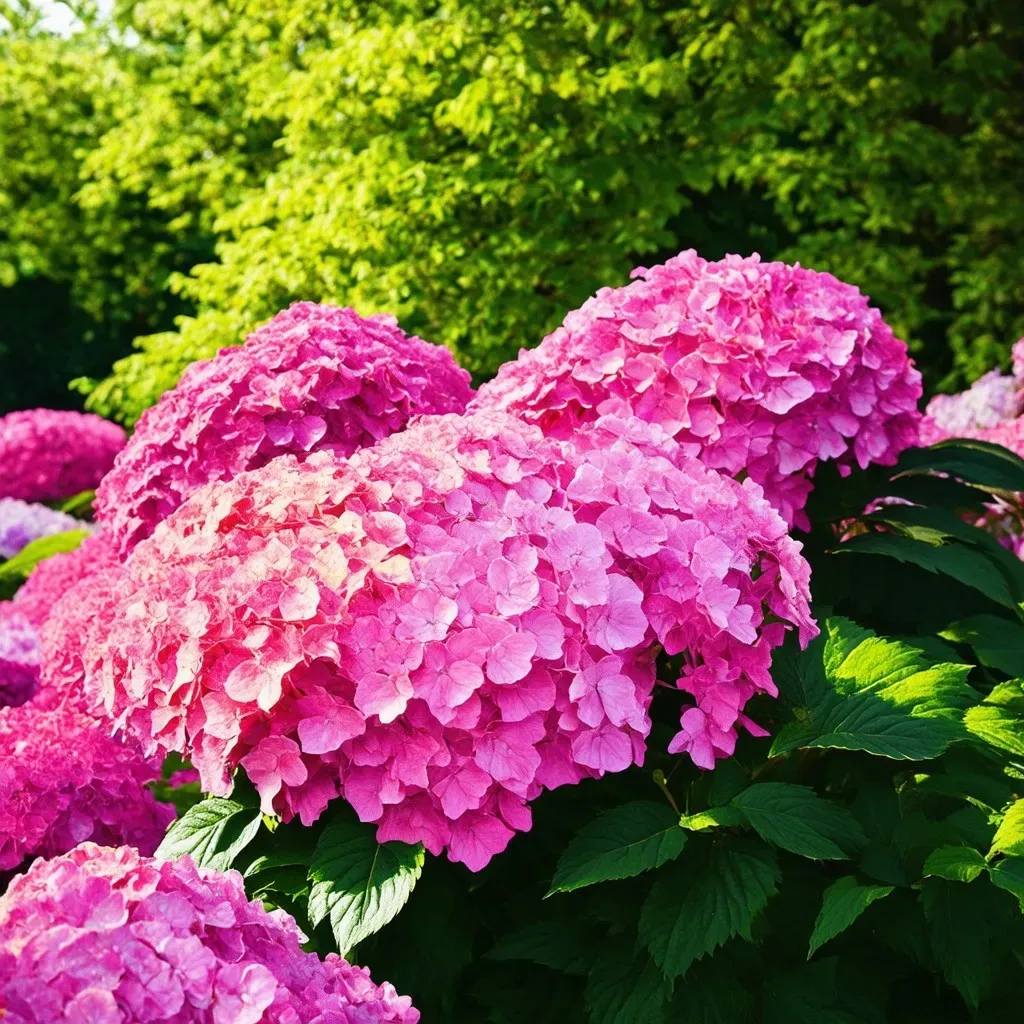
(102, 936)
(19, 657)
(65, 781)
(444, 625)
(48, 454)
(759, 369)
(54, 577)
(314, 378)
(21, 523)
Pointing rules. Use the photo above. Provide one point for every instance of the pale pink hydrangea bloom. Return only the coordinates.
(106, 936)
(19, 657)
(66, 780)
(314, 378)
(757, 369)
(49, 454)
(446, 624)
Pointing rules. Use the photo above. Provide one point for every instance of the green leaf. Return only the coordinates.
(961, 562)
(990, 466)
(563, 945)
(620, 843)
(213, 833)
(625, 988)
(881, 696)
(1009, 837)
(714, 817)
(358, 883)
(690, 913)
(998, 642)
(797, 819)
(1008, 874)
(999, 719)
(80, 504)
(957, 863)
(19, 567)
(844, 901)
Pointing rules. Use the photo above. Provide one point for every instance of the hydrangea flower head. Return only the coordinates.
(19, 657)
(50, 454)
(66, 780)
(106, 936)
(22, 522)
(316, 377)
(443, 625)
(758, 369)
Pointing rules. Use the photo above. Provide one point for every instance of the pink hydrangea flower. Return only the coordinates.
(106, 936)
(444, 625)
(314, 378)
(760, 370)
(66, 780)
(49, 454)
(19, 657)
(22, 522)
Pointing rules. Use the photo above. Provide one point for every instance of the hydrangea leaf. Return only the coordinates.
(975, 462)
(358, 883)
(690, 912)
(1008, 874)
(1009, 837)
(565, 945)
(797, 819)
(714, 817)
(844, 901)
(862, 692)
(213, 833)
(998, 642)
(957, 863)
(999, 718)
(625, 987)
(620, 843)
(36, 551)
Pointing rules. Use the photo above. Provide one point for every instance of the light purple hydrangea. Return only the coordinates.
(315, 378)
(21, 523)
(50, 454)
(19, 657)
(106, 936)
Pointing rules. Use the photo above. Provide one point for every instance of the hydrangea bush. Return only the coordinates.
(49, 454)
(762, 370)
(101, 936)
(315, 378)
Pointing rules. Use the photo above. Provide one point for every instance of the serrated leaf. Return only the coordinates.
(1009, 837)
(797, 819)
(213, 833)
(36, 551)
(998, 642)
(358, 883)
(844, 901)
(690, 913)
(563, 945)
(999, 719)
(1008, 874)
(957, 863)
(625, 988)
(620, 843)
(880, 696)
(714, 817)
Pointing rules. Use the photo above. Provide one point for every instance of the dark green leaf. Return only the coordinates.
(620, 843)
(358, 883)
(998, 642)
(844, 901)
(564, 945)
(957, 863)
(625, 988)
(1008, 874)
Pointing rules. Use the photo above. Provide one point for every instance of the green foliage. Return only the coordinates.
(14, 571)
(479, 168)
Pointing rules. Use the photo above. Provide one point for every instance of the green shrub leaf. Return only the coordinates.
(798, 820)
(625, 987)
(358, 883)
(998, 642)
(999, 719)
(957, 863)
(844, 901)
(1009, 837)
(690, 913)
(18, 568)
(213, 833)
(1008, 874)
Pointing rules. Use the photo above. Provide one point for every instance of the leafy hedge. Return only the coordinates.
(478, 169)
(865, 864)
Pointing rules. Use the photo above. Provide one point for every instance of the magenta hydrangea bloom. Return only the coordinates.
(316, 377)
(445, 624)
(22, 522)
(50, 454)
(66, 780)
(52, 578)
(758, 369)
(106, 936)
(19, 657)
